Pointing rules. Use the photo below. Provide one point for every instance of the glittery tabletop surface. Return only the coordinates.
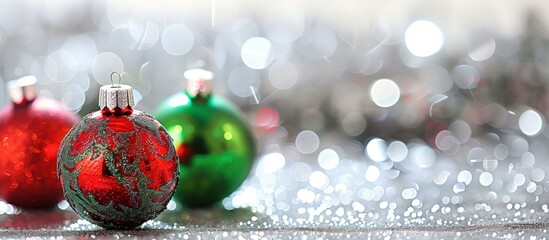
(344, 196)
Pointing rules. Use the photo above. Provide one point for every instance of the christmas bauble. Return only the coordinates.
(118, 166)
(214, 144)
(31, 130)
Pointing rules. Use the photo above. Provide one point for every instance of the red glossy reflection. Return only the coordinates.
(30, 134)
(267, 119)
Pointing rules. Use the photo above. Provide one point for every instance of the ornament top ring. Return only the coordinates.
(119, 78)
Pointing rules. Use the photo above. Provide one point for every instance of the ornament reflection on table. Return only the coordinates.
(31, 130)
(118, 166)
(215, 146)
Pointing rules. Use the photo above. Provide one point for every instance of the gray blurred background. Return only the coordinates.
(294, 66)
(371, 76)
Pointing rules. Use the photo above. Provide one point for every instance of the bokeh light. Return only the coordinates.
(466, 76)
(270, 163)
(244, 81)
(283, 74)
(397, 151)
(104, 65)
(286, 27)
(177, 39)
(483, 51)
(146, 34)
(328, 159)
(376, 150)
(307, 142)
(354, 124)
(423, 38)
(385, 93)
(267, 119)
(372, 173)
(256, 53)
(318, 43)
(530, 122)
(424, 156)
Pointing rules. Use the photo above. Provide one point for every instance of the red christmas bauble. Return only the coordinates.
(30, 134)
(118, 167)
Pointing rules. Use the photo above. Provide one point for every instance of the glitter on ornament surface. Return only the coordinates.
(118, 171)
(118, 166)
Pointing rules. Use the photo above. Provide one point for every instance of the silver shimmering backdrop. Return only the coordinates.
(399, 119)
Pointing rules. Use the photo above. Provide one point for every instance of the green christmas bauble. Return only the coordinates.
(214, 144)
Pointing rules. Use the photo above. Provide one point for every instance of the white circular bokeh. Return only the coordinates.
(423, 38)
(177, 39)
(530, 122)
(385, 93)
(256, 53)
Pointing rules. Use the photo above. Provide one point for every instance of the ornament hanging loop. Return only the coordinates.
(119, 79)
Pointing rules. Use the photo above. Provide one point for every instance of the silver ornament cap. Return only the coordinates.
(199, 82)
(116, 95)
(22, 90)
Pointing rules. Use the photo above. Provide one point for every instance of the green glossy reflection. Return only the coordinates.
(214, 144)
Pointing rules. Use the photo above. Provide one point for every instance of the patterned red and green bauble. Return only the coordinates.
(118, 166)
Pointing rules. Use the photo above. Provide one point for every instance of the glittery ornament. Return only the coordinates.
(31, 130)
(215, 147)
(118, 166)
